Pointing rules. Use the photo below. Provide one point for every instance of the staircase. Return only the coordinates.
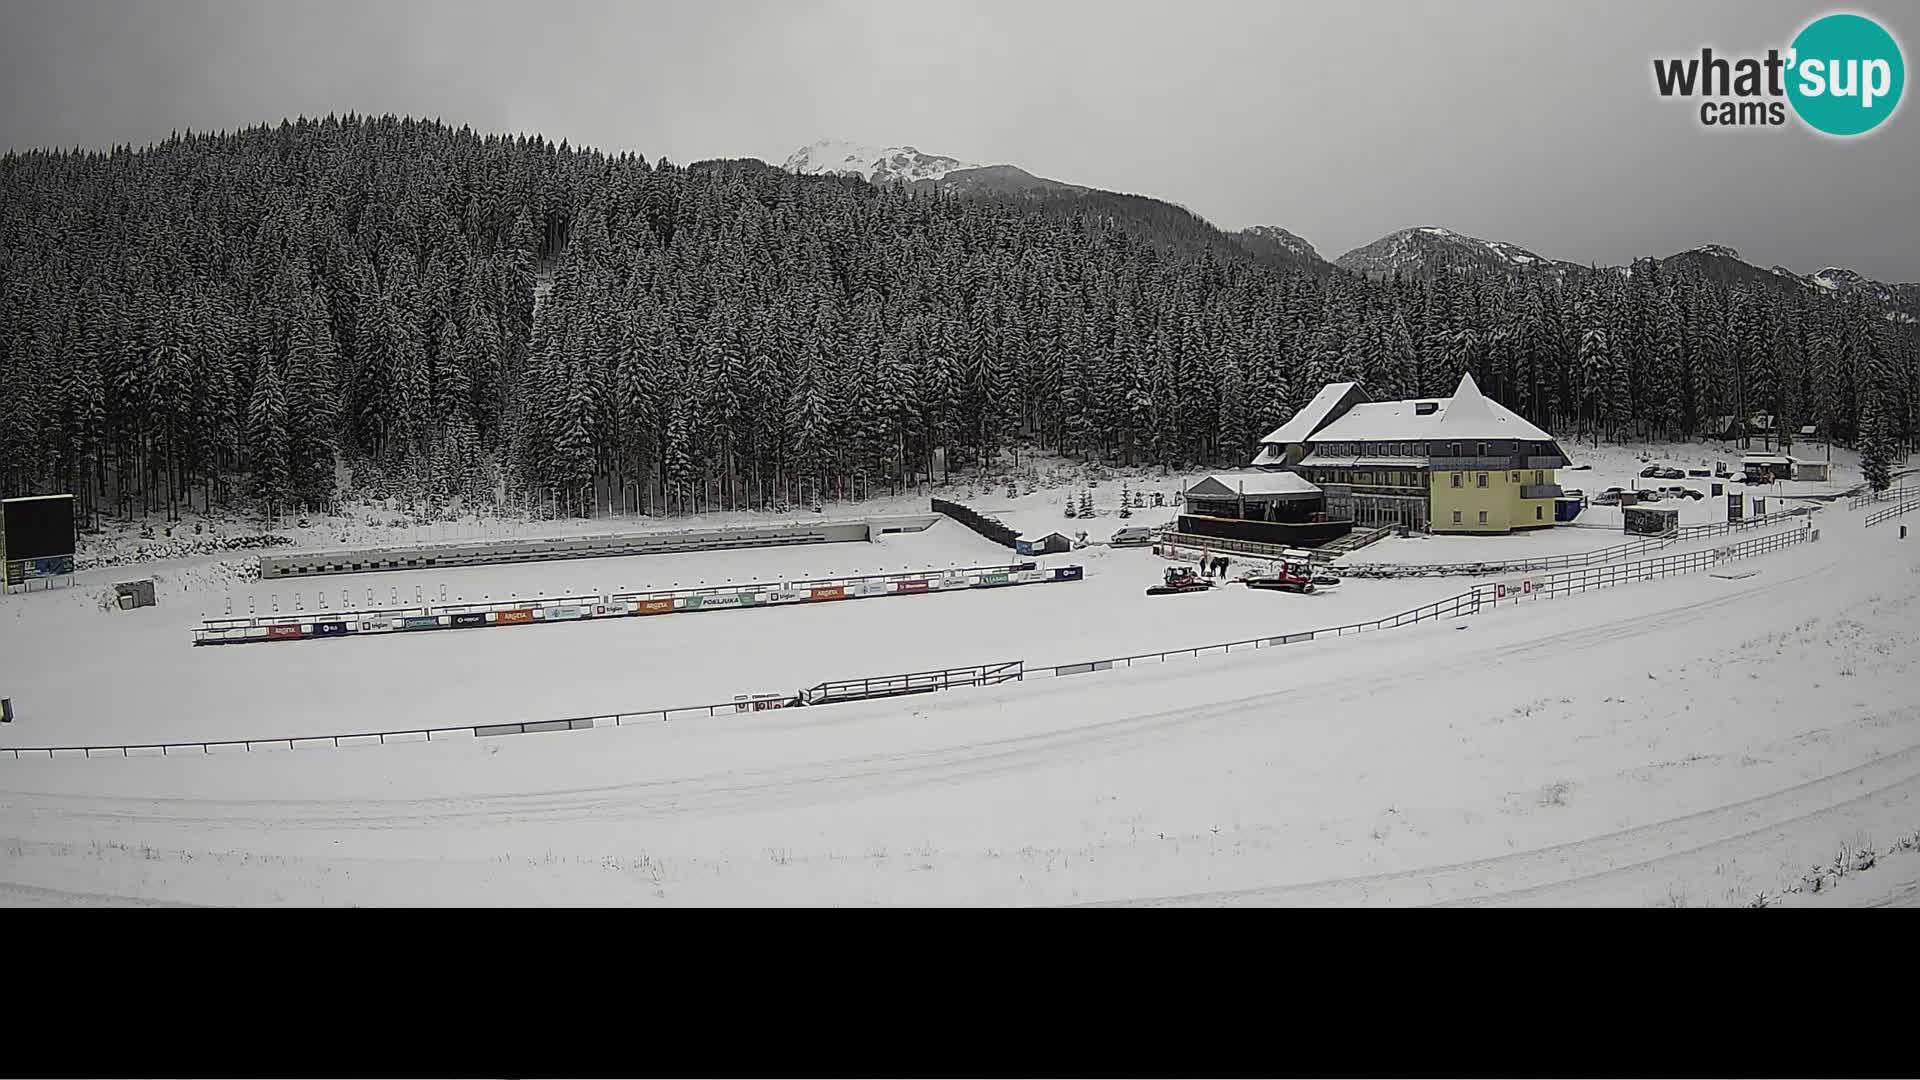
(1354, 541)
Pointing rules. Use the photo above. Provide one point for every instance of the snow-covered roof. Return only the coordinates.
(1468, 414)
(1258, 484)
(1768, 459)
(1303, 423)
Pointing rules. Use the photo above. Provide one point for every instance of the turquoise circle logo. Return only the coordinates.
(1847, 74)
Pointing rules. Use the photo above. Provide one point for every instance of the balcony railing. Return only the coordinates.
(1541, 491)
(1503, 463)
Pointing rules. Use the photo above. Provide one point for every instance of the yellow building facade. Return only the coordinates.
(1491, 500)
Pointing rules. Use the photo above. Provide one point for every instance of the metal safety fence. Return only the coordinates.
(1870, 497)
(1890, 512)
(1487, 569)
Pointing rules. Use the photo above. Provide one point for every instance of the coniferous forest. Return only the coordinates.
(239, 320)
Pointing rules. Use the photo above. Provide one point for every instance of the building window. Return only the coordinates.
(1483, 450)
(1516, 478)
(1483, 480)
(1537, 477)
(1456, 517)
(1483, 517)
(1537, 515)
(1456, 479)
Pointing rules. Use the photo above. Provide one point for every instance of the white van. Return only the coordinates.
(1132, 536)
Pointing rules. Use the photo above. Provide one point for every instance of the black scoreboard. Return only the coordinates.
(36, 538)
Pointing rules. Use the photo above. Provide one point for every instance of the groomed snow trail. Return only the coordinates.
(1695, 740)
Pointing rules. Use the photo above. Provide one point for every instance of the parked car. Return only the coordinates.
(1609, 497)
(1672, 474)
(1650, 472)
(1649, 495)
(1132, 536)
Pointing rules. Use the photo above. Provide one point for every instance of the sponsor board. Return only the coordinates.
(19, 571)
(955, 582)
(1068, 573)
(470, 618)
(421, 622)
(873, 588)
(284, 630)
(562, 611)
(1028, 577)
(659, 606)
(831, 592)
(758, 702)
(1517, 589)
(513, 615)
(329, 629)
(987, 580)
(909, 586)
(785, 596)
(376, 625)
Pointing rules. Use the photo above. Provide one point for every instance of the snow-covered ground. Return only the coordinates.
(1696, 740)
(87, 676)
(1692, 741)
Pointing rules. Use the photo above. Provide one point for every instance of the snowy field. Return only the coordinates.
(1695, 741)
(84, 676)
(1692, 741)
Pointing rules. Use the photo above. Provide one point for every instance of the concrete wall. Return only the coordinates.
(489, 552)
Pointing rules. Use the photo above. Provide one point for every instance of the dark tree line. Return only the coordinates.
(238, 317)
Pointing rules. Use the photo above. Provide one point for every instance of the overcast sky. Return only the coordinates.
(1528, 121)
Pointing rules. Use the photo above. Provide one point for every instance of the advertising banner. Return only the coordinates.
(830, 592)
(470, 618)
(659, 606)
(421, 622)
(514, 615)
(909, 586)
(284, 630)
(329, 629)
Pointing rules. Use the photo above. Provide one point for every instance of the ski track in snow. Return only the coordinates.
(1694, 740)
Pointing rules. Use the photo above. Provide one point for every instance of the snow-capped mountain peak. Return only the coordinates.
(879, 165)
(1281, 238)
(1839, 277)
(1428, 247)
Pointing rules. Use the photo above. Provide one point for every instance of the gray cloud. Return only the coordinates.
(1529, 122)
